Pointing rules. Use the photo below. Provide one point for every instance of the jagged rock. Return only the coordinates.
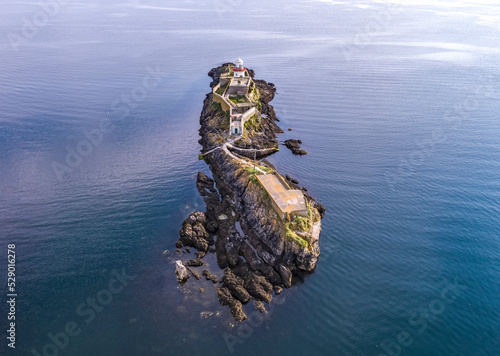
(260, 306)
(210, 277)
(259, 288)
(294, 146)
(195, 263)
(321, 209)
(181, 272)
(278, 289)
(200, 255)
(226, 298)
(206, 188)
(235, 285)
(188, 249)
(179, 244)
(193, 233)
(270, 273)
(286, 276)
(250, 255)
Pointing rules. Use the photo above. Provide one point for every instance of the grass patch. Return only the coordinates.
(302, 224)
(290, 235)
(253, 174)
(238, 99)
(253, 123)
(222, 89)
(216, 106)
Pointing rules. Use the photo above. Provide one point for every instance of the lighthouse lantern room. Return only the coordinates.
(239, 70)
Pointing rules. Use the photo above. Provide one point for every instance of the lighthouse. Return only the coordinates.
(239, 70)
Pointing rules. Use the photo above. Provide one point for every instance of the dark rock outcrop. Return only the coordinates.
(248, 235)
(210, 277)
(193, 232)
(294, 146)
(226, 298)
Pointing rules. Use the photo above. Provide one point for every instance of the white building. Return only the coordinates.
(239, 70)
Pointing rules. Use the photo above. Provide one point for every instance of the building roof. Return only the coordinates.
(288, 200)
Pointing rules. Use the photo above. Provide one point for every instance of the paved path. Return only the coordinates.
(230, 144)
(224, 147)
(216, 148)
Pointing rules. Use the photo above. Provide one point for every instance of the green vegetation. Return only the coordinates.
(290, 235)
(298, 230)
(224, 124)
(222, 89)
(200, 156)
(216, 106)
(253, 174)
(256, 95)
(238, 99)
(253, 123)
(302, 224)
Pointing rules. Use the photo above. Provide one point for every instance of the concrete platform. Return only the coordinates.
(286, 201)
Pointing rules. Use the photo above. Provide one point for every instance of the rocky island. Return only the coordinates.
(262, 227)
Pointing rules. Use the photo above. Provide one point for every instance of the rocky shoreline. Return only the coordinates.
(250, 240)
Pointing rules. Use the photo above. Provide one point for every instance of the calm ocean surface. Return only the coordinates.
(397, 105)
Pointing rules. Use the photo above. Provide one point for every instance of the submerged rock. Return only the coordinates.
(260, 306)
(194, 273)
(195, 263)
(210, 277)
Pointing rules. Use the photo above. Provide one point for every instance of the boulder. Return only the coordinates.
(181, 272)
(195, 263)
(294, 146)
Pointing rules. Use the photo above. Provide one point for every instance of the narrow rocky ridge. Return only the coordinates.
(240, 223)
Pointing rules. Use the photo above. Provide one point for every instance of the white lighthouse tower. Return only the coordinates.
(239, 70)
